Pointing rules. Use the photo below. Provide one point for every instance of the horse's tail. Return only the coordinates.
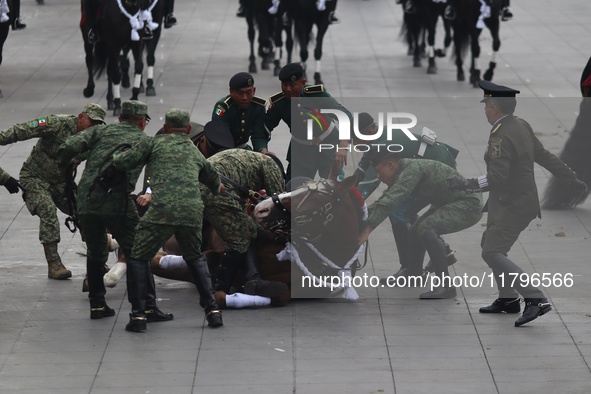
(100, 58)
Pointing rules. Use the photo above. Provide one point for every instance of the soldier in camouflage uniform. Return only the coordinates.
(176, 169)
(303, 156)
(425, 147)
(450, 211)
(43, 179)
(9, 182)
(244, 113)
(105, 205)
(253, 171)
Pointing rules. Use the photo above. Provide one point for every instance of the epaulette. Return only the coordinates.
(314, 88)
(276, 97)
(259, 101)
(228, 101)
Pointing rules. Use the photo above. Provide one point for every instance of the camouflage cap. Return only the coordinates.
(134, 107)
(177, 118)
(95, 112)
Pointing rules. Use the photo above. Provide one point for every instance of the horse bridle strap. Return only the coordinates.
(277, 202)
(324, 212)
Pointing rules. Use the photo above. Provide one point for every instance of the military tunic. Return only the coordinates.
(513, 199)
(426, 180)
(176, 170)
(244, 124)
(305, 156)
(42, 177)
(252, 170)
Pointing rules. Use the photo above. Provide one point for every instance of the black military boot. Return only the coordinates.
(503, 305)
(534, 308)
(226, 272)
(153, 313)
(96, 290)
(436, 248)
(202, 279)
(136, 293)
(451, 258)
(255, 285)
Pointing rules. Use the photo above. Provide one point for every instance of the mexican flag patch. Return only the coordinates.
(219, 111)
(42, 122)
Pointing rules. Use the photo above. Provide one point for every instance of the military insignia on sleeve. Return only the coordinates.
(33, 123)
(219, 111)
(495, 147)
(42, 122)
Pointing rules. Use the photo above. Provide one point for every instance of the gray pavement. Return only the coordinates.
(387, 342)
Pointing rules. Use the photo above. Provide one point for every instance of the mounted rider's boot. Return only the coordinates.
(18, 25)
(153, 313)
(254, 284)
(56, 269)
(169, 19)
(506, 14)
(226, 272)
(202, 279)
(136, 294)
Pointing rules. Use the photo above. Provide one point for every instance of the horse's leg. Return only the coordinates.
(136, 50)
(89, 60)
(252, 66)
(431, 25)
(265, 35)
(475, 64)
(303, 30)
(110, 104)
(151, 60)
(493, 24)
(322, 27)
(114, 73)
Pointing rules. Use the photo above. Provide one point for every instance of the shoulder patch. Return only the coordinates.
(33, 123)
(495, 147)
(220, 109)
(276, 97)
(259, 101)
(314, 88)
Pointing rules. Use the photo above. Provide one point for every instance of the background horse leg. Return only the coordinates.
(114, 73)
(493, 25)
(322, 28)
(138, 69)
(151, 60)
(4, 29)
(475, 64)
(431, 20)
(124, 63)
(252, 67)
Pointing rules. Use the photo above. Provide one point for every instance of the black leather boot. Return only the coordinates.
(202, 279)
(436, 248)
(255, 285)
(153, 313)
(136, 293)
(229, 264)
(96, 290)
(503, 305)
(534, 308)
(401, 232)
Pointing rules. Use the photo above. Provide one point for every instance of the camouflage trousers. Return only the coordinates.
(450, 218)
(235, 227)
(149, 238)
(43, 200)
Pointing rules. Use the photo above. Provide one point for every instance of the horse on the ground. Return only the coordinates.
(306, 15)
(257, 15)
(325, 223)
(105, 54)
(472, 17)
(420, 27)
(5, 27)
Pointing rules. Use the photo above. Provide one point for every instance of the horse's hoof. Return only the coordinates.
(417, 62)
(150, 91)
(432, 70)
(135, 93)
(488, 75)
(276, 71)
(317, 79)
(440, 53)
(125, 83)
(461, 77)
(252, 68)
(265, 66)
(110, 105)
(88, 92)
(117, 111)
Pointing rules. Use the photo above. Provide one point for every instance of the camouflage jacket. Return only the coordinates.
(176, 167)
(101, 142)
(252, 170)
(423, 179)
(244, 123)
(42, 163)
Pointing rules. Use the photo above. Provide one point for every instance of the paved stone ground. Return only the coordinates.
(389, 341)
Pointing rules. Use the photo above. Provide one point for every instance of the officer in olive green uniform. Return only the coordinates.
(105, 204)
(176, 170)
(42, 178)
(450, 211)
(244, 113)
(425, 147)
(513, 202)
(303, 155)
(11, 184)
(253, 171)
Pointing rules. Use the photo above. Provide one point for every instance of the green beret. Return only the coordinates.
(134, 107)
(291, 72)
(241, 80)
(177, 118)
(95, 112)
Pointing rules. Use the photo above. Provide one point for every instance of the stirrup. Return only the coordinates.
(214, 318)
